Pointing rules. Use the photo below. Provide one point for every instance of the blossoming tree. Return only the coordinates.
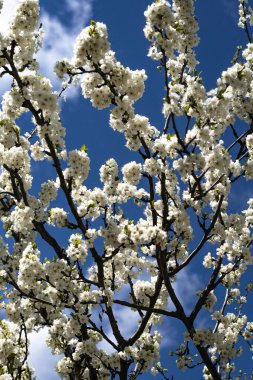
(181, 183)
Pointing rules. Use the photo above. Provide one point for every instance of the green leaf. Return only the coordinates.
(220, 94)
(16, 130)
(77, 242)
(249, 287)
(169, 136)
(240, 74)
(84, 148)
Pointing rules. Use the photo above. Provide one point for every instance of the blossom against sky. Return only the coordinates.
(62, 21)
(59, 35)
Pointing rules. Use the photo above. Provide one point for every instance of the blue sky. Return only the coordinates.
(219, 36)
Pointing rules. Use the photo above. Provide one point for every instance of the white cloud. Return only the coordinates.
(81, 11)
(5, 85)
(186, 285)
(40, 357)
(59, 39)
(7, 12)
(127, 320)
(123, 318)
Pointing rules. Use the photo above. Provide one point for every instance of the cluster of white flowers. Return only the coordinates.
(15, 158)
(48, 192)
(160, 19)
(188, 98)
(132, 172)
(78, 248)
(109, 176)
(31, 269)
(13, 359)
(105, 80)
(79, 164)
(18, 216)
(166, 146)
(147, 349)
(39, 89)
(210, 301)
(21, 30)
(91, 44)
(143, 290)
(245, 14)
(58, 216)
(173, 29)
